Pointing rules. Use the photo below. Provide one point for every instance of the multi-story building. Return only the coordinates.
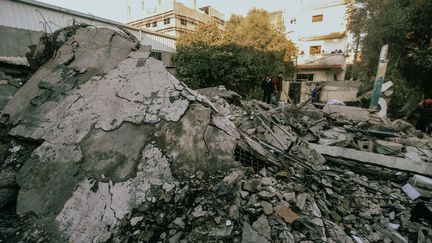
(175, 18)
(277, 18)
(319, 29)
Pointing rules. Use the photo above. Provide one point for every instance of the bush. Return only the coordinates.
(238, 68)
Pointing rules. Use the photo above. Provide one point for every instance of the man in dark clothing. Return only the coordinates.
(423, 116)
(315, 93)
(267, 88)
(277, 87)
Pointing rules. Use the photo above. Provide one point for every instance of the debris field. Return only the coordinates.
(103, 144)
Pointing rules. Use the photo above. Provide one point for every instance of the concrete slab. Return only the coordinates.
(376, 159)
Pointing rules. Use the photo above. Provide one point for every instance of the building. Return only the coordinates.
(319, 29)
(277, 19)
(175, 18)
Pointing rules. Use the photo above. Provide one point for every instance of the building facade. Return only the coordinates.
(319, 29)
(176, 18)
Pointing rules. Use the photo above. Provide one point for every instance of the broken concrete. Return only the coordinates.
(102, 129)
(376, 159)
(127, 153)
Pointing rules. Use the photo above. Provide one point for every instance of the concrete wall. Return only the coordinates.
(15, 42)
(341, 90)
(334, 21)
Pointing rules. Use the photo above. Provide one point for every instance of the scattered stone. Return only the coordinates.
(198, 212)
(262, 226)
(221, 233)
(267, 207)
(301, 201)
(134, 221)
(286, 237)
(252, 185)
(244, 194)
(251, 236)
(233, 177)
(234, 212)
(290, 197)
(286, 214)
(266, 195)
(178, 222)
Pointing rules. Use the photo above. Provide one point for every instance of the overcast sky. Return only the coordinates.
(117, 9)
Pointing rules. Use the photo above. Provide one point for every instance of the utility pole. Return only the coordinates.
(379, 80)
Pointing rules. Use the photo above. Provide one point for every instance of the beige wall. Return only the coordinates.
(341, 90)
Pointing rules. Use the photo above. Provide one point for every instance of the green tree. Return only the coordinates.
(205, 34)
(238, 68)
(239, 57)
(406, 25)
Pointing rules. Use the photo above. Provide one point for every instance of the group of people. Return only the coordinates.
(272, 89)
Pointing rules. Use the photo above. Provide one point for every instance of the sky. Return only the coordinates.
(117, 9)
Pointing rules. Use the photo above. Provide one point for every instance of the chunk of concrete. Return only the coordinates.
(286, 213)
(388, 148)
(422, 184)
(249, 235)
(376, 159)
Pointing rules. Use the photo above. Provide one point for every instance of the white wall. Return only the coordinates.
(334, 20)
(326, 45)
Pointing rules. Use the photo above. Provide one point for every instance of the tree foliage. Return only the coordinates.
(406, 25)
(239, 57)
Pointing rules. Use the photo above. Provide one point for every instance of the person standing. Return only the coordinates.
(277, 87)
(267, 88)
(315, 93)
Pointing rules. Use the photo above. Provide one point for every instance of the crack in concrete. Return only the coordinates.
(111, 200)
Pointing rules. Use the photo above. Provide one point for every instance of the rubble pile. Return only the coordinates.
(104, 145)
(9, 85)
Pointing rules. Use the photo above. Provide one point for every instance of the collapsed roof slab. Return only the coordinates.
(397, 163)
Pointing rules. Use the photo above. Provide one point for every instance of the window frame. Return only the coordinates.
(167, 21)
(317, 47)
(183, 22)
(154, 24)
(317, 18)
(306, 76)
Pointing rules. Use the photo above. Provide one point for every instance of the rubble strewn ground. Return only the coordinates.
(102, 144)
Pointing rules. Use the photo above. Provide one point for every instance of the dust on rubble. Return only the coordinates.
(102, 144)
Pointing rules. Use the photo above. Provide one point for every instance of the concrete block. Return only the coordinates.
(366, 146)
(388, 148)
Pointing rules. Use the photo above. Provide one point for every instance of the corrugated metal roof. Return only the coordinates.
(37, 16)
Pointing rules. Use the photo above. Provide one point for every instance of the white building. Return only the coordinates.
(319, 29)
(172, 17)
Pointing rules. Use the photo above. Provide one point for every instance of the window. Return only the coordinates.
(148, 25)
(293, 21)
(317, 18)
(315, 50)
(167, 21)
(308, 77)
(154, 24)
(183, 22)
(156, 55)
